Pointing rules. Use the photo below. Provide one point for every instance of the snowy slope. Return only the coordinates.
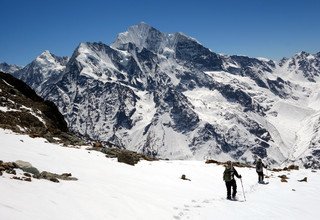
(107, 189)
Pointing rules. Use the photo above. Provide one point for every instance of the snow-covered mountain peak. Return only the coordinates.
(264, 59)
(176, 45)
(48, 59)
(45, 53)
(46, 69)
(9, 68)
(302, 66)
(97, 61)
(141, 35)
(168, 95)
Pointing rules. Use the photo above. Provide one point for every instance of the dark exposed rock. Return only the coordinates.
(11, 171)
(293, 167)
(9, 167)
(194, 53)
(283, 178)
(304, 180)
(128, 157)
(124, 156)
(27, 174)
(235, 164)
(54, 177)
(16, 178)
(97, 145)
(27, 107)
(214, 161)
(183, 177)
(27, 179)
(27, 167)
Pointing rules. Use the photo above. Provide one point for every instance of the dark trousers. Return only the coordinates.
(260, 176)
(231, 184)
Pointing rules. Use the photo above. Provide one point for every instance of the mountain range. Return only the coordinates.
(167, 95)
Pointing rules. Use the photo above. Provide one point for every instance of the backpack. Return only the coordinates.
(228, 174)
(259, 167)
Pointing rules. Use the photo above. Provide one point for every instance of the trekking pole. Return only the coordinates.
(244, 195)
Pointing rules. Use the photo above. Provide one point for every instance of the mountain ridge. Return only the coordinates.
(168, 95)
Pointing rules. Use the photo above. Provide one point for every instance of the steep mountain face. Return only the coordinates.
(167, 95)
(8, 68)
(23, 111)
(303, 66)
(45, 70)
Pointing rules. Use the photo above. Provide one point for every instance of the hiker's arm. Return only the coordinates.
(236, 173)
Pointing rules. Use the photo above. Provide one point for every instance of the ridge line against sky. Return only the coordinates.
(255, 28)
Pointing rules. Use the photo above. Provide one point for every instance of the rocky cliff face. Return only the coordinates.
(168, 95)
(23, 111)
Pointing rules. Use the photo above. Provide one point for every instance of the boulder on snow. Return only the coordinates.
(214, 161)
(276, 170)
(11, 171)
(236, 164)
(27, 174)
(16, 178)
(9, 165)
(304, 180)
(54, 177)
(293, 167)
(128, 157)
(27, 167)
(183, 177)
(283, 178)
(28, 179)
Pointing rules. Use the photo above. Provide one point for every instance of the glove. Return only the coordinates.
(240, 176)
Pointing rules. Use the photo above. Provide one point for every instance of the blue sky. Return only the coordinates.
(256, 28)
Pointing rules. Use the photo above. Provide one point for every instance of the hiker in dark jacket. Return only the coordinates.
(259, 169)
(228, 177)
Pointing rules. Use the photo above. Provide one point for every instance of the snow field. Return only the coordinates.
(107, 189)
